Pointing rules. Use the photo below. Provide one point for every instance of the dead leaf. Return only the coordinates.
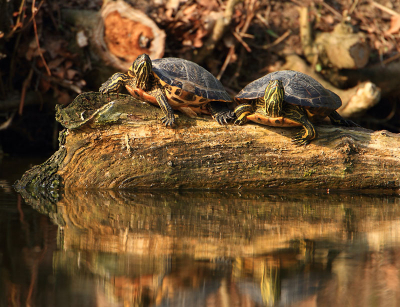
(71, 73)
(68, 64)
(329, 19)
(172, 5)
(394, 25)
(81, 83)
(190, 10)
(55, 63)
(210, 4)
(54, 47)
(44, 85)
(59, 72)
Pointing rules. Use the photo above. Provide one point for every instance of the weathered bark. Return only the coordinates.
(123, 144)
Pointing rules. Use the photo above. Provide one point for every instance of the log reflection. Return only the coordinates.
(139, 249)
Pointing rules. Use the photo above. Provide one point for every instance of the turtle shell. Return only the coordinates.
(188, 80)
(300, 89)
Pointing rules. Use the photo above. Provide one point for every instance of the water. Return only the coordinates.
(124, 248)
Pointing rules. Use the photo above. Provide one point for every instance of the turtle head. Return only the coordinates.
(274, 90)
(273, 98)
(141, 70)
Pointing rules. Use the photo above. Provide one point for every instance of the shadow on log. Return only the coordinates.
(123, 144)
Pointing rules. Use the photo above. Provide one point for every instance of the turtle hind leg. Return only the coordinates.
(298, 115)
(241, 113)
(220, 112)
(338, 120)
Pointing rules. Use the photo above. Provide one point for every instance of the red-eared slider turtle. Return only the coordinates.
(289, 98)
(173, 83)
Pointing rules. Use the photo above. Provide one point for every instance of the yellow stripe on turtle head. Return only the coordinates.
(141, 69)
(274, 91)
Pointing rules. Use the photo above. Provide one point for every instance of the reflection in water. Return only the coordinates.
(120, 248)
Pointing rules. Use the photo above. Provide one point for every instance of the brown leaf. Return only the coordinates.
(44, 85)
(329, 19)
(210, 4)
(394, 25)
(59, 72)
(55, 63)
(68, 64)
(71, 73)
(190, 10)
(172, 5)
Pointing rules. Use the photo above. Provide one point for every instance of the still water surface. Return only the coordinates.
(265, 248)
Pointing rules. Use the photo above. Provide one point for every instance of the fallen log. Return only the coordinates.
(117, 34)
(123, 144)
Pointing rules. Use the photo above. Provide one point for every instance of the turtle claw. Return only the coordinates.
(224, 117)
(221, 120)
(168, 120)
(104, 88)
(299, 140)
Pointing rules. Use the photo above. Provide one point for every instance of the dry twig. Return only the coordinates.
(226, 62)
(34, 12)
(19, 21)
(23, 92)
(251, 7)
(219, 29)
(384, 8)
(278, 40)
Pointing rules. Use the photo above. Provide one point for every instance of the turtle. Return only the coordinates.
(174, 83)
(289, 98)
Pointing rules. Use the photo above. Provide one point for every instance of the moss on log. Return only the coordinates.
(123, 144)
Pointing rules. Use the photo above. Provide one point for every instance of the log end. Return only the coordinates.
(123, 33)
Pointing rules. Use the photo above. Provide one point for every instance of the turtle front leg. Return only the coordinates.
(241, 112)
(114, 84)
(169, 118)
(273, 98)
(220, 112)
(338, 120)
(298, 115)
